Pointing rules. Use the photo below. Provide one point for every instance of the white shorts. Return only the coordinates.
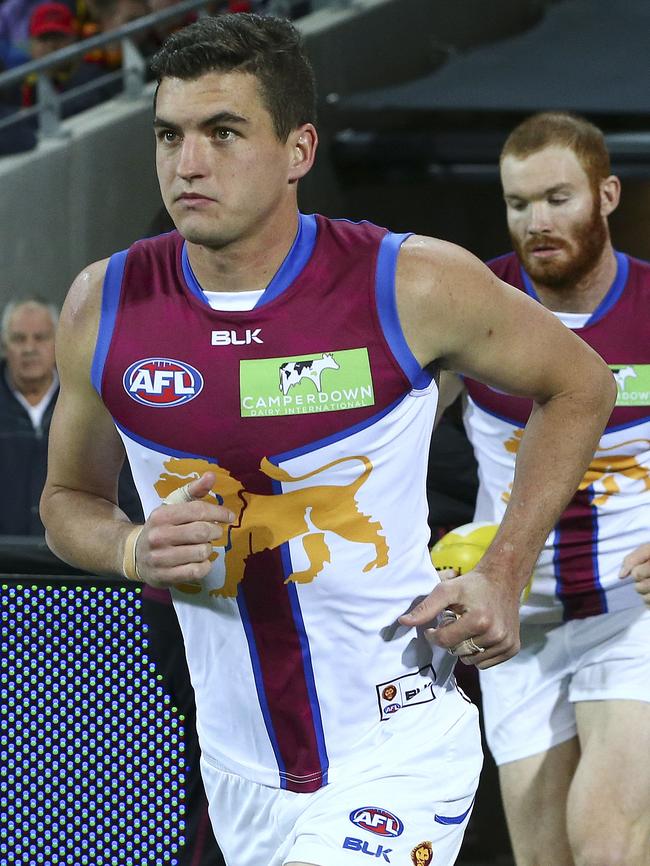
(390, 800)
(528, 700)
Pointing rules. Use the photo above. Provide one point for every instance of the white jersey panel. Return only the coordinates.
(617, 486)
(359, 561)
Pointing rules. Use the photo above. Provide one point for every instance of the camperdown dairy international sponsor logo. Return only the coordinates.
(633, 384)
(304, 384)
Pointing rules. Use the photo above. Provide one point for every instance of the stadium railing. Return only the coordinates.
(132, 73)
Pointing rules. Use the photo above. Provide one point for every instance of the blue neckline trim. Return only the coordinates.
(613, 294)
(295, 261)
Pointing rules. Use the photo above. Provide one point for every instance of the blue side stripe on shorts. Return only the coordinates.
(454, 819)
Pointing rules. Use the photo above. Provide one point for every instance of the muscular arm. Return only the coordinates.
(454, 310)
(84, 524)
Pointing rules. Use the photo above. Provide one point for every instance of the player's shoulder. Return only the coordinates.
(82, 307)
(422, 251)
(427, 262)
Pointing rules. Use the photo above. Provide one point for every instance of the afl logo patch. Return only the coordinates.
(162, 382)
(378, 821)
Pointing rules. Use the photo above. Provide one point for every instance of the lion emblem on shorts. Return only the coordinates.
(422, 854)
(264, 522)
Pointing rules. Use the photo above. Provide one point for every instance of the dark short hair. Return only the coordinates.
(561, 129)
(269, 48)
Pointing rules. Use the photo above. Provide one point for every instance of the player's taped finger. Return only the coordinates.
(178, 496)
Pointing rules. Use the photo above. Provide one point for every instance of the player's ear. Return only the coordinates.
(610, 194)
(303, 142)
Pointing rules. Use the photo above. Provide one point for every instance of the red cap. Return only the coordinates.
(52, 18)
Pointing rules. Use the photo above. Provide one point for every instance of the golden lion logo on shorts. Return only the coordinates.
(422, 854)
(605, 470)
(264, 522)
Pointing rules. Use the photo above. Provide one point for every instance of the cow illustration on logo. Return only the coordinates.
(607, 470)
(623, 373)
(422, 854)
(264, 522)
(292, 372)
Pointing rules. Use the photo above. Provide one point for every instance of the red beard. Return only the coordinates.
(584, 247)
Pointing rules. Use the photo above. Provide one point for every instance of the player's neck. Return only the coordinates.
(587, 292)
(247, 264)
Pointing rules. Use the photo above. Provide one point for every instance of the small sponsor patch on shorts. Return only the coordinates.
(405, 691)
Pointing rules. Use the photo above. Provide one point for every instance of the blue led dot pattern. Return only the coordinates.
(91, 751)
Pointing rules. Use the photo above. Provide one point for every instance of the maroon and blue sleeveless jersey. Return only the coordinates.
(577, 573)
(315, 418)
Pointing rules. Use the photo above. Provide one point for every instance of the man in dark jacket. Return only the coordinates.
(28, 389)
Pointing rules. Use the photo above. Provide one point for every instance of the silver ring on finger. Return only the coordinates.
(475, 648)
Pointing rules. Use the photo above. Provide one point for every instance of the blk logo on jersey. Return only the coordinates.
(232, 338)
(378, 821)
(380, 852)
(162, 382)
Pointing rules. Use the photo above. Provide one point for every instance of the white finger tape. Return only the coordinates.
(178, 496)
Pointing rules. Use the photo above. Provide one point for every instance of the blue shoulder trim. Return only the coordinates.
(110, 300)
(387, 310)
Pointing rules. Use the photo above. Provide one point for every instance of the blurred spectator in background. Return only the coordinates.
(21, 134)
(14, 21)
(109, 15)
(29, 386)
(28, 389)
(11, 55)
(163, 29)
(53, 26)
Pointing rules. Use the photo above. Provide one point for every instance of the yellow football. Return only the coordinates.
(463, 547)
